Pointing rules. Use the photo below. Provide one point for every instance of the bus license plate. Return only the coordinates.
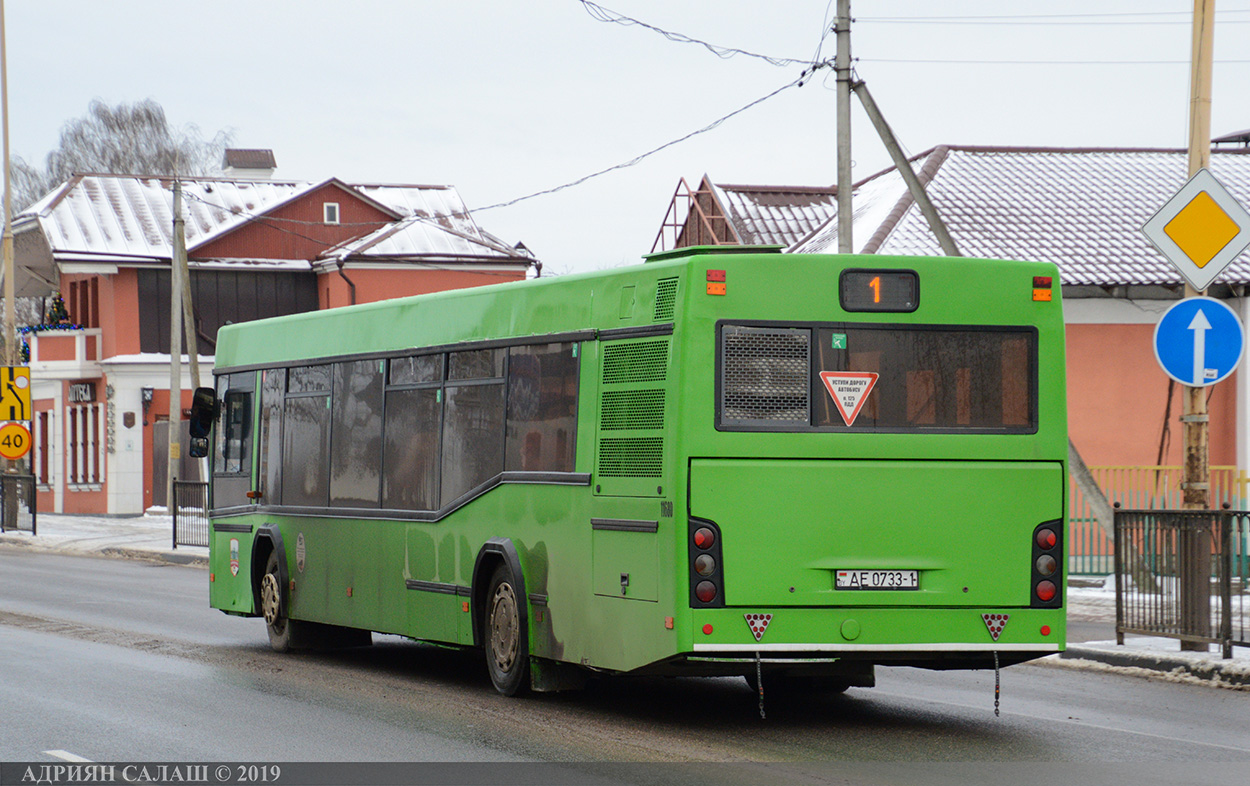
(877, 579)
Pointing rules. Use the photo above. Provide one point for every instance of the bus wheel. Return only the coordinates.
(278, 625)
(507, 651)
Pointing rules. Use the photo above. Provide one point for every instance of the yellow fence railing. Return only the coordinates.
(1092, 551)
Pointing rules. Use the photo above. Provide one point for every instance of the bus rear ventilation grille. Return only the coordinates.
(631, 457)
(665, 299)
(765, 375)
(632, 409)
(635, 361)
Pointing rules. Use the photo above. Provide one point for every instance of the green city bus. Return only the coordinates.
(718, 462)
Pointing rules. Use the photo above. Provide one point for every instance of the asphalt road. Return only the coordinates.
(115, 660)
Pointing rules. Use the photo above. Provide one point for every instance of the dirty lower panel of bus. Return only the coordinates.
(876, 533)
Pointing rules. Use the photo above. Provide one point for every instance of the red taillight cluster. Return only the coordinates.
(1047, 565)
(706, 579)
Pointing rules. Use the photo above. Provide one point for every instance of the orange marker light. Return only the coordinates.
(668, 623)
(464, 606)
(714, 288)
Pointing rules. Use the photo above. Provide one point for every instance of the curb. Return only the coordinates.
(1202, 669)
(169, 557)
(112, 552)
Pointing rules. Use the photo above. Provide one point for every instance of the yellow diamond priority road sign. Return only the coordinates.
(1200, 230)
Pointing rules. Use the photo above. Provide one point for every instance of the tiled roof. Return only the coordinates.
(120, 218)
(1081, 209)
(775, 215)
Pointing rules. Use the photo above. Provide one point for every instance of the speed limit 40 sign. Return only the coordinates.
(14, 440)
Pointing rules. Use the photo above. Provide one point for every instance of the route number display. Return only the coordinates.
(879, 290)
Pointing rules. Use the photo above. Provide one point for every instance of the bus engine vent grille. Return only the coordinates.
(631, 457)
(764, 375)
(632, 409)
(635, 361)
(665, 299)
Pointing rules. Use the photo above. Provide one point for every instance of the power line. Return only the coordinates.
(724, 52)
(433, 219)
(709, 127)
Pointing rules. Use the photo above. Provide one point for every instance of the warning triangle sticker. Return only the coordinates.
(995, 623)
(849, 390)
(758, 624)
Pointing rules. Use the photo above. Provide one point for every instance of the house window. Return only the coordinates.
(41, 464)
(84, 302)
(330, 212)
(85, 444)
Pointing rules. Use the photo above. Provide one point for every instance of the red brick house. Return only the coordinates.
(256, 248)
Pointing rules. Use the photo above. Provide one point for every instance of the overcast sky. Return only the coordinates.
(503, 98)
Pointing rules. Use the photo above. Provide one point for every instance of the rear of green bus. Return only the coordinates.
(875, 455)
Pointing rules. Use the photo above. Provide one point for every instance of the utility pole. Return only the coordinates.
(175, 349)
(9, 511)
(842, 66)
(1195, 545)
(10, 319)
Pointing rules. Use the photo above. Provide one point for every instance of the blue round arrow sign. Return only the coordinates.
(1199, 341)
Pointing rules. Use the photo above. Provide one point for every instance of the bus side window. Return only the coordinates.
(236, 423)
(542, 408)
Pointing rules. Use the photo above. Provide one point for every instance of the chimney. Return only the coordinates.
(248, 164)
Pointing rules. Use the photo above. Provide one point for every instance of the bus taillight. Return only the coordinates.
(1046, 591)
(1047, 568)
(707, 579)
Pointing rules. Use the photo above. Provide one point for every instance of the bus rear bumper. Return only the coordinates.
(929, 637)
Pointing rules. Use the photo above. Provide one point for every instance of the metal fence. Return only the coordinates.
(190, 511)
(17, 504)
(1183, 574)
(1092, 551)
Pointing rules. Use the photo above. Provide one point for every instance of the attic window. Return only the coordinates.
(330, 212)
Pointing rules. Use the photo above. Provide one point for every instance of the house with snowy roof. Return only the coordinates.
(257, 247)
(1081, 209)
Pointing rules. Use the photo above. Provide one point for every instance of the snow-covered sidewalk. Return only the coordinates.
(151, 537)
(147, 537)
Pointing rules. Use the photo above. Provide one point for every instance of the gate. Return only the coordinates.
(1183, 574)
(17, 504)
(190, 512)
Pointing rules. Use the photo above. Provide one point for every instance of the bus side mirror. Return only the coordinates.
(203, 413)
(198, 447)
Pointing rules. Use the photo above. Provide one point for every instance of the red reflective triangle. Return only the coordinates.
(758, 623)
(995, 624)
(849, 390)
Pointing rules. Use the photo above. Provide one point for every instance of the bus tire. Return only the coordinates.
(503, 636)
(276, 621)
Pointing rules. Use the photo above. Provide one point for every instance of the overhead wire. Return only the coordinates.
(602, 14)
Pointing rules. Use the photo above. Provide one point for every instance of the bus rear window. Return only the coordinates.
(891, 378)
(931, 378)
